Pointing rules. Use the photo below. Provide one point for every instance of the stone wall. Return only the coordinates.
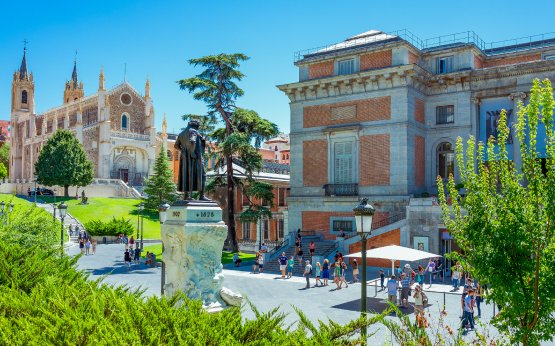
(135, 110)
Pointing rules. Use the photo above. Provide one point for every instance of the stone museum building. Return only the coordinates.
(377, 116)
(116, 127)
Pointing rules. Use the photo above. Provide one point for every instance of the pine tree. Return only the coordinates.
(160, 187)
(63, 162)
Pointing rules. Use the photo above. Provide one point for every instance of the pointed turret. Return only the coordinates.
(73, 90)
(101, 79)
(164, 127)
(147, 89)
(23, 69)
(74, 73)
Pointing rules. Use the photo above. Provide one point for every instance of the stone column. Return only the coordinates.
(515, 97)
(193, 238)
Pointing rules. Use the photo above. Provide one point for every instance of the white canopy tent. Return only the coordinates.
(395, 253)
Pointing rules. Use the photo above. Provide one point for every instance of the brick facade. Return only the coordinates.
(375, 60)
(321, 69)
(419, 161)
(478, 62)
(315, 163)
(419, 112)
(512, 60)
(374, 160)
(366, 110)
(135, 110)
(389, 238)
(319, 221)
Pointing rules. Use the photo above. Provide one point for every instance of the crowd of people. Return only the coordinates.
(87, 245)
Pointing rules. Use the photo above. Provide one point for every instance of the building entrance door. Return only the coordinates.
(124, 175)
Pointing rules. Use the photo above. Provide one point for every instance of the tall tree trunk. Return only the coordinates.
(66, 190)
(231, 231)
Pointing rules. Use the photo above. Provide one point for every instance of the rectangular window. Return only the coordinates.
(346, 67)
(246, 227)
(445, 114)
(444, 64)
(549, 57)
(281, 197)
(343, 163)
(343, 226)
(280, 228)
(266, 229)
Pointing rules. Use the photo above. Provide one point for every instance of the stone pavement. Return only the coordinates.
(267, 291)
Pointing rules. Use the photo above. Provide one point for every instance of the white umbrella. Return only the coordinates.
(395, 253)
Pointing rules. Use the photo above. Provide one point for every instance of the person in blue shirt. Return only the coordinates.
(282, 264)
(392, 286)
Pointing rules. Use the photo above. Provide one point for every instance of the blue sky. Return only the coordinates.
(156, 38)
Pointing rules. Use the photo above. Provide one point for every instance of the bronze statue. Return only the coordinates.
(192, 176)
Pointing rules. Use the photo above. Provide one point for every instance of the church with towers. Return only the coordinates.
(115, 127)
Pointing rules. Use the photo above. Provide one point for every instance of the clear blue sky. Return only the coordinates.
(156, 38)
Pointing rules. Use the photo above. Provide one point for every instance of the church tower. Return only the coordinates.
(23, 89)
(74, 89)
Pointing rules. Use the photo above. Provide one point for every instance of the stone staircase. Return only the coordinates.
(322, 248)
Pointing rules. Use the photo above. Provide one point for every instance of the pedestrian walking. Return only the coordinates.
(261, 263)
(81, 246)
(137, 254)
(255, 264)
(431, 269)
(455, 277)
(337, 274)
(290, 266)
(307, 273)
(468, 313)
(127, 258)
(355, 271)
(312, 248)
(318, 274)
(94, 246)
(382, 279)
(392, 287)
(236, 259)
(420, 275)
(405, 287)
(282, 260)
(300, 255)
(479, 293)
(87, 247)
(326, 271)
(419, 304)
(131, 242)
(342, 276)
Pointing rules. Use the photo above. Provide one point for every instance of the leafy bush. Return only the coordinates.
(112, 227)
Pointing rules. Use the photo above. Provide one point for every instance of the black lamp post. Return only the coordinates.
(364, 213)
(63, 210)
(141, 208)
(163, 211)
(35, 193)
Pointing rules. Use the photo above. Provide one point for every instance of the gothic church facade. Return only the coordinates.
(115, 127)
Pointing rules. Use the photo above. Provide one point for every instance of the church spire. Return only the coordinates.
(147, 89)
(74, 73)
(101, 79)
(164, 127)
(23, 68)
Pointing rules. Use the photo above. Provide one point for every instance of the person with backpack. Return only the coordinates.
(420, 301)
(307, 273)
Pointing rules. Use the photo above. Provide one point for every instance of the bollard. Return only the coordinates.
(375, 288)
(163, 278)
(444, 300)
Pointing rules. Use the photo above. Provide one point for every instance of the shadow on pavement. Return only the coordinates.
(376, 305)
(120, 270)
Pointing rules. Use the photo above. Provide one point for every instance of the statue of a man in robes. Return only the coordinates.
(192, 176)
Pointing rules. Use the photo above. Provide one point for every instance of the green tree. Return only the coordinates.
(160, 187)
(216, 86)
(63, 162)
(505, 225)
(249, 127)
(5, 156)
(3, 171)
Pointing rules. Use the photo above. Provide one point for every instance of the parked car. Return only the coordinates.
(41, 191)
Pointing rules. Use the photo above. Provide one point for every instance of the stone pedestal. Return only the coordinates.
(193, 237)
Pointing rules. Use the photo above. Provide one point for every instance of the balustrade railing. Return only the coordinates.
(130, 135)
(341, 189)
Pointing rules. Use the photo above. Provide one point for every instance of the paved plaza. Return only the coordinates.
(267, 291)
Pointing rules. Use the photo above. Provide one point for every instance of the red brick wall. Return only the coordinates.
(320, 69)
(413, 58)
(419, 160)
(512, 60)
(419, 112)
(478, 62)
(374, 160)
(389, 238)
(315, 163)
(375, 60)
(366, 110)
(319, 221)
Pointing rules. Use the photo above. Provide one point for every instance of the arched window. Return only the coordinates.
(275, 148)
(124, 122)
(445, 160)
(24, 97)
(169, 153)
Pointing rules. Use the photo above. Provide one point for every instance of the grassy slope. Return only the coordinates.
(227, 257)
(104, 208)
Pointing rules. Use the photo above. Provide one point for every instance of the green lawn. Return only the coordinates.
(9, 198)
(105, 208)
(227, 257)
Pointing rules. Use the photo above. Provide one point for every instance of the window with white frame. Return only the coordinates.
(246, 228)
(445, 114)
(280, 228)
(549, 57)
(266, 229)
(343, 226)
(346, 66)
(343, 160)
(444, 64)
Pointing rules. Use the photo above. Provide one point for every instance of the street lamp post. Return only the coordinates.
(35, 192)
(63, 209)
(163, 211)
(364, 213)
(141, 208)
